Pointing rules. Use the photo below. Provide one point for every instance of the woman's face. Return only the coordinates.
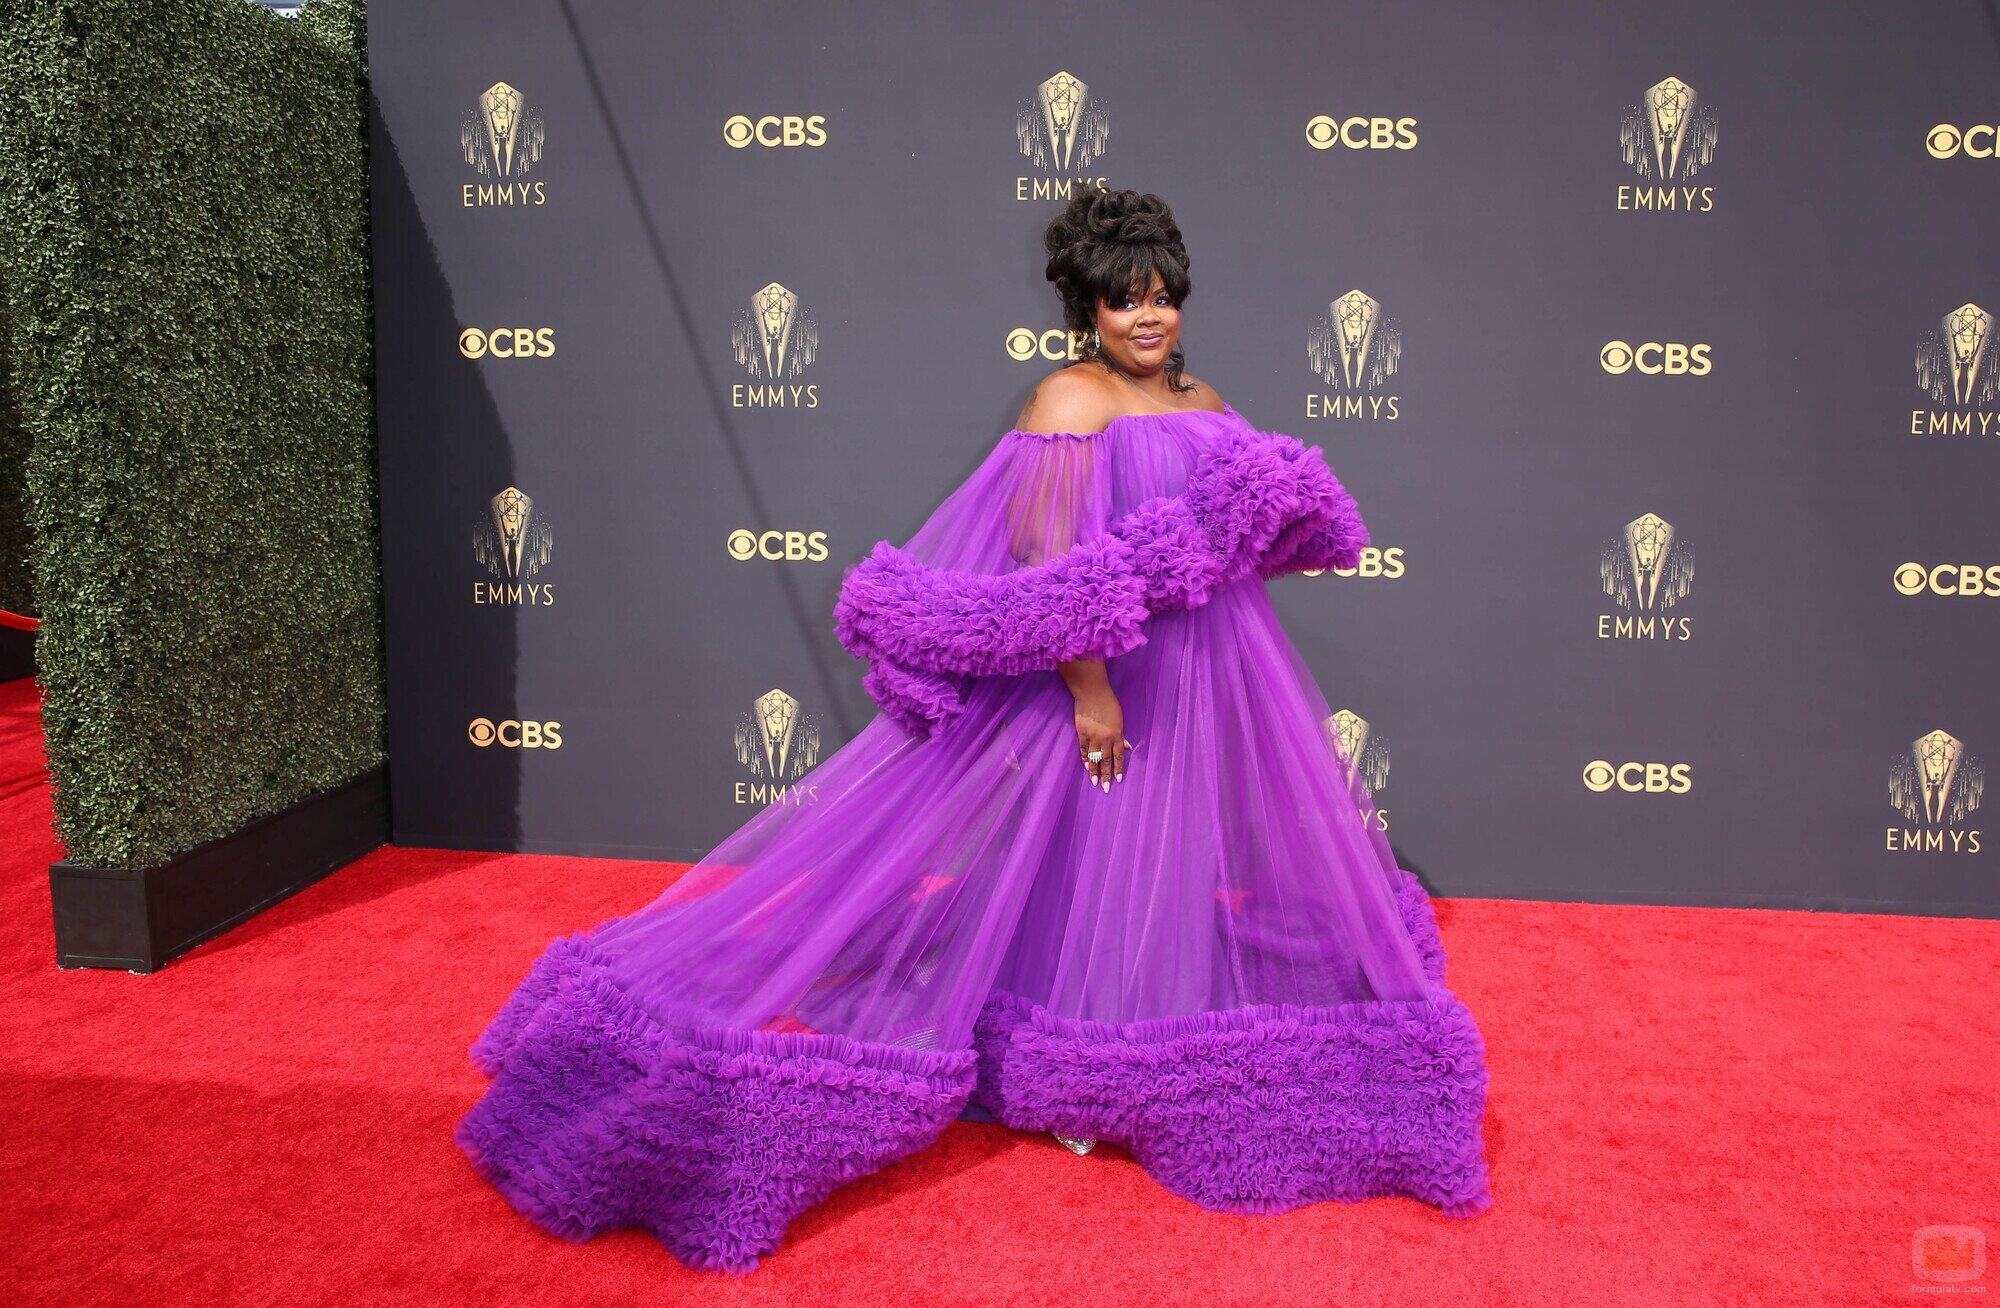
(1137, 335)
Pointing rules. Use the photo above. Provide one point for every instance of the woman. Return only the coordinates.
(1201, 949)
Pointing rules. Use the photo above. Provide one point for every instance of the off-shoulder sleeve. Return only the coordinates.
(1034, 497)
(1022, 567)
(1016, 570)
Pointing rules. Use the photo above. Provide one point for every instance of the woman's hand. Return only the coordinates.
(1100, 722)
(1100, 726)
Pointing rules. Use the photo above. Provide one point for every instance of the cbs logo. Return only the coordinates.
(771, 129)
(515, 735)
(789, 546)
(1374, 563)
(1638, 778)
(508, 342)
(1977, 142)
(1024, 343)
(1654, 359)
(1361, 133)
(1948, 579)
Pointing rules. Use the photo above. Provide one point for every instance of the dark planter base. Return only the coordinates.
(141, 919)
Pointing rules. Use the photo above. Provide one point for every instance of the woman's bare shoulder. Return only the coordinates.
(1076, 399)
(1204, 395)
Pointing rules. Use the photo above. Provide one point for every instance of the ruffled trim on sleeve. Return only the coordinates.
(927, 631)
(1258, 503)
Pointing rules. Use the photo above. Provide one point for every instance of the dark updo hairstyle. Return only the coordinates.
(1108, 244)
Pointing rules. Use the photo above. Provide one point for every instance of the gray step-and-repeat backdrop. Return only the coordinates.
(1656, 342)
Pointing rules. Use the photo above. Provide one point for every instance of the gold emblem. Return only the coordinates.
(1667, 137)
(1361, 752)
(1935, 783)
(775, 740)
(1646, 569)
(1355, 348)
(1956, 364)
(774, 338)
(512, 541)
(1060, 129)
(502, 137)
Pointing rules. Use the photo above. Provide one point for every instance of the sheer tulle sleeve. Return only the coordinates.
(1034, 498)
(1015, 571)
(1022, 567)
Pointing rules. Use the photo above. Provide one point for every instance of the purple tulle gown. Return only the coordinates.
(1218, 965)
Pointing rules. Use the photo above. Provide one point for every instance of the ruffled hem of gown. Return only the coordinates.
(602, 1115)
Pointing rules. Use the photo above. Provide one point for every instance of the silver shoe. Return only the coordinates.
(1074, 1144)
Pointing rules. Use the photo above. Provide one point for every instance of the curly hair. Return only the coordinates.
(1108, 244)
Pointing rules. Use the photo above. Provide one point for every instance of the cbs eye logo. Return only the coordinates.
(1375, 562)
(1976, 142)
(1600, 775)
(1361, 133)
(508, 343)
(778, 130)
(1055, 344)
(1948, 579)
(515, 735)
(777, 545)
(1655, 359)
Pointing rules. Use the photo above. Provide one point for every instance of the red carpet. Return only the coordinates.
(1689, 1106)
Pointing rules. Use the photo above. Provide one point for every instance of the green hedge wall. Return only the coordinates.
(184, 244)
(17, 588)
